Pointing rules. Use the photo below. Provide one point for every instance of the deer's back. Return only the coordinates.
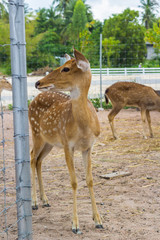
(132, 94)
(51, 119)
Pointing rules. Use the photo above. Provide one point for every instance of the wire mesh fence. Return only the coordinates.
(15, 188)
(7, 179)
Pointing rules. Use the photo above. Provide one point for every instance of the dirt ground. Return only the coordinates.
(129, 206)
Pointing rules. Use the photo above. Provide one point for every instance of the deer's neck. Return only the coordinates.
(80, 109)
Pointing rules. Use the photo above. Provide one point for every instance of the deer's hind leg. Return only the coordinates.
(46, 149)
(36, 150)
(144, 117)
(37, 154)
(116, 109)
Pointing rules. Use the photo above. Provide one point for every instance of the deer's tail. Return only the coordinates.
(106, 97)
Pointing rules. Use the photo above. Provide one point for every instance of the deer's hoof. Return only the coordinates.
(35, 207)
(100, 226)
(76, 231)
(46, 205)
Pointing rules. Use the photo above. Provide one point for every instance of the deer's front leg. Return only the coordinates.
(34, 195)
(89, 180)
(70, 165)
(143, 116)
(149, 123)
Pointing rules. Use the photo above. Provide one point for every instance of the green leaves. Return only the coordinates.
(152, 35)
(124, 27)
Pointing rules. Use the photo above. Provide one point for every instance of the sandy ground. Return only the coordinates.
(129, 206)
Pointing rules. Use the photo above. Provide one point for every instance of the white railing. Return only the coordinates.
(124, 71)
(149, 76)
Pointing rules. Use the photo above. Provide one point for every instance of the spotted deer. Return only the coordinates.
(66, 121)
(123, 94)
(4, 85)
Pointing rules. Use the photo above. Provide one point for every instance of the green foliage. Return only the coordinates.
(79, 21)
(10, 107)
(4, 11)
(151, 63)
(126, 29)
(96, 103)
(50, 44)
(152, 35)
(53, 31)
(149, 7)
(110, 49)
(4, 51)
(41, 21)
(91, 45)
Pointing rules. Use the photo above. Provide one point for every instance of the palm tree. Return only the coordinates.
(61, 6)
(148, 15)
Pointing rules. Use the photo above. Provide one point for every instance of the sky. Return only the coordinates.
(101, 9)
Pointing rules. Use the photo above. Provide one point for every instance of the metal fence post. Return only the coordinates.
(20, 117)
(100, 62)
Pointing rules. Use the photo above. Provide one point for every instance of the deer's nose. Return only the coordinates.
(37, 84)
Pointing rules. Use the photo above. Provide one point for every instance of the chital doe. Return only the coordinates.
(123, 94)
(65, 121)
(4, 85)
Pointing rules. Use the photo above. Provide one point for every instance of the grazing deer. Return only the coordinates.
(123, 94)
(66, 121)
(4, 85)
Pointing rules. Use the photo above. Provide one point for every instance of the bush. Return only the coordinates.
(10, 106)
(96, 103)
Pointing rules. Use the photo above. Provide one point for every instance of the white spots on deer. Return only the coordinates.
(64, 121)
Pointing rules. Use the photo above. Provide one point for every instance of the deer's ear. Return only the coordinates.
(67, 57)
(81, 61)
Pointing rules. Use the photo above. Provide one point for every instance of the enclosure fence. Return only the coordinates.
(15, 192)
(21, 136)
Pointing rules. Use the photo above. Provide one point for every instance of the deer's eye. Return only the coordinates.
(65, 69)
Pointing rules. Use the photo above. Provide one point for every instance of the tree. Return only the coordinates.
(148, 16)
(41, 21)
(152, 35)
(125, 28)
(79, 21)
(4, 11)
(61, 6)
(110, 46)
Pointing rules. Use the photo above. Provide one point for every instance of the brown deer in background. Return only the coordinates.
(5, 85)
(66, 121)
(123, 94)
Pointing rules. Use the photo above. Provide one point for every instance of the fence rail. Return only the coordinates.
(146, 76)
(124, 71)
